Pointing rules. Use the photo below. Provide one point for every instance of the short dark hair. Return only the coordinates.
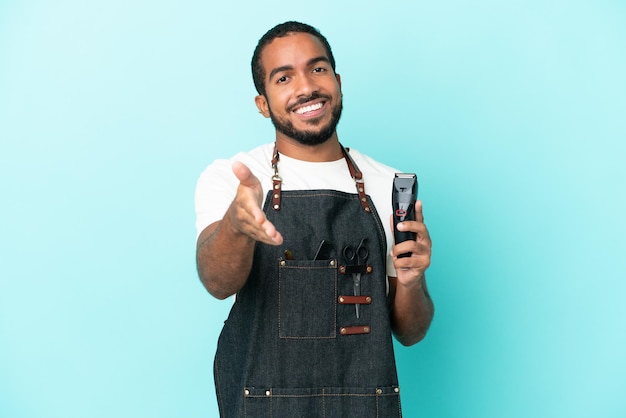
(279, 31)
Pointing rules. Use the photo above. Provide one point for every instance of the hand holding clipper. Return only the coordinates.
(403, 197)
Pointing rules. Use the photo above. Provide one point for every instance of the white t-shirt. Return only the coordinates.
(217, 185)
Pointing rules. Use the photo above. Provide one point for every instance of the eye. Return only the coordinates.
(281, 79)
(319, 70)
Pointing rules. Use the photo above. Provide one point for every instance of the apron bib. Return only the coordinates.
(292, 345)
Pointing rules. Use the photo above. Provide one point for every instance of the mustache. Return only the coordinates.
(304, 100)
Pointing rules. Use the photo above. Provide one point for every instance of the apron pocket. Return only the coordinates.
(307, 299)
(323, 402)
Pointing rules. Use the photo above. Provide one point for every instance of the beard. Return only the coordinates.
(309, 137)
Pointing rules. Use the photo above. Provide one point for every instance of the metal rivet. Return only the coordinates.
(369, 269)
(332, 262)
(276, 206)
(360, 189)
(246, 392)
(277, 186)
(268, 393)
(368, 210)
(342, 269)
(366, 329)
(363, 199)
(342, 330)
(368, 299)
(397, 390)
(379, 391)
(276, 196)
(283, 262)
(341, 299)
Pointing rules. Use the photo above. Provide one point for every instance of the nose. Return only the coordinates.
(305, 85)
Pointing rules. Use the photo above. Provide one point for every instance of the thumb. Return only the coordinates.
(419, 215)
(244, 175)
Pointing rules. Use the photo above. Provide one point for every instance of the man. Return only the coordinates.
(292, 229)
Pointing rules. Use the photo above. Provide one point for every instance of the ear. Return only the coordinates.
(338, 77)
(262, 105)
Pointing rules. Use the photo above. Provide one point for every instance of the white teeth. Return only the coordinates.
(310, 108)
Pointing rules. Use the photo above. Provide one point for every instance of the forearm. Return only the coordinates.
(411, 309)
(224, 259)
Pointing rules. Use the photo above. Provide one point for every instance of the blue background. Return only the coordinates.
(513, 114)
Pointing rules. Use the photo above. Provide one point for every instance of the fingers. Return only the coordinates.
(272, 236)
(422, 245)
(417, 226)
(420, 249)
(245, 213)
(418, 262)
(410, 269)
(247, 218)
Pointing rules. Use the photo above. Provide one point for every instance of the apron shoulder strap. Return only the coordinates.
(356, 174)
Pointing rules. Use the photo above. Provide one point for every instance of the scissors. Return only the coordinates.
(356, 257)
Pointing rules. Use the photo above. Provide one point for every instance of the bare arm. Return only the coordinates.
(225, 248)
(411, 306)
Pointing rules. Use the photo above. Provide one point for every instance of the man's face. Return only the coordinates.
(302, 92)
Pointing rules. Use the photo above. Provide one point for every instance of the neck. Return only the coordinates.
(328, 151)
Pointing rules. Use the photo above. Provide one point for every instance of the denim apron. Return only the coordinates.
(292, 345)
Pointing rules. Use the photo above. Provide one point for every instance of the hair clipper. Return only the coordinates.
(403, 197)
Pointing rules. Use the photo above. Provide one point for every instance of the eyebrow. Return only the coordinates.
(310, 62)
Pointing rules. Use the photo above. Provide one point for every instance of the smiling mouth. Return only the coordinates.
(310, 108)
